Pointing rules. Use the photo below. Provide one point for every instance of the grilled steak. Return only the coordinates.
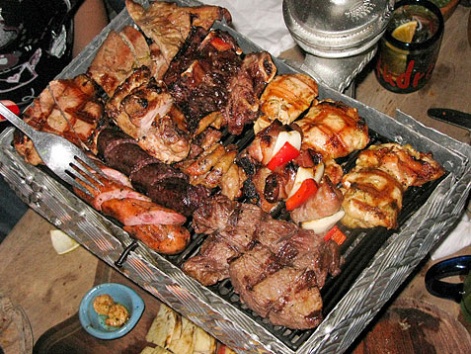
(276, 267)
(211, 264)
(168, 25)
(118, 56)
(209, 75)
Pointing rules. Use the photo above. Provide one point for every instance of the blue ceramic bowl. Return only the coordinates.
(94, 323)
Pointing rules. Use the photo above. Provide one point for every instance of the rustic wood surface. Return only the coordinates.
(49, 286)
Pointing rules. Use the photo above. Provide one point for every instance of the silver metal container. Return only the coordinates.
(338, 36)
(221, 316)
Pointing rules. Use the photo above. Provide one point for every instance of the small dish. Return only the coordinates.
(94, 323)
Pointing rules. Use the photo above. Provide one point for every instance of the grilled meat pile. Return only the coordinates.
(276, 267)
(191, 129)
(161, 182)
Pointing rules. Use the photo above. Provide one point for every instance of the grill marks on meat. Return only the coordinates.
(118, 56)
(161, 182)
(144, 110)
(67, 107)
(374, 188)
(333, 129)
(276, 268)
(371, 198)
(407, 165)
(168, 25)
(285, 98)
(158, 227)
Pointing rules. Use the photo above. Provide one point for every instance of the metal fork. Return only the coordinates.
(62, 157)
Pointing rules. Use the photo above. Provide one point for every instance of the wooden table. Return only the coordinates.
(49, 286)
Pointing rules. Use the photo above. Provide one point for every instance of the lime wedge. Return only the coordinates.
(405, 32)
(62, 243)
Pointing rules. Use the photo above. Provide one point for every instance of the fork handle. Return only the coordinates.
(16, 121)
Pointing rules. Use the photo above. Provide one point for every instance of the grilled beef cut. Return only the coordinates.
(209, 76)
(161, 182)
(198, 76)
(118, 56)
(144, 110)
(275, 267)
(168, 25)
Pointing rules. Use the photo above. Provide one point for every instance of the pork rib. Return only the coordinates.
(70, 108)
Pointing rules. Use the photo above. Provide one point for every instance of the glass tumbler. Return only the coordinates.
(409, 47)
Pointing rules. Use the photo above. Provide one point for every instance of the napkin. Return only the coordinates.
(260, 21)
(457, 239)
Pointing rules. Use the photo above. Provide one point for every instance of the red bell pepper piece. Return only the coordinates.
(336, 235)
(11, 106)
(219, 44)
(308, 188)
(283, 156)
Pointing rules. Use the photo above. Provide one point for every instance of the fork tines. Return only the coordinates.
(86, 171)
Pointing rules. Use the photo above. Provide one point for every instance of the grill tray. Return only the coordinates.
(377, 261)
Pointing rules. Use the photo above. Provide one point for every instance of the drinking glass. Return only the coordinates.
(409, 48)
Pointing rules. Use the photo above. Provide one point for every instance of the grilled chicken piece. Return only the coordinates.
(118, 56)
(372, 198)
(374, 188)
(333, 129)
(285, 98)
(168, 25)
(67, 107)
(407, 165)
(144, 110)
(158, 227)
